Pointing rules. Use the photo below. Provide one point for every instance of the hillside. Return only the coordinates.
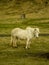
(32, 8)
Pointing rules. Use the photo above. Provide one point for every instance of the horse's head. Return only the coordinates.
(36, 32)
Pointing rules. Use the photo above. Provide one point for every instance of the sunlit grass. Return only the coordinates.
(15, 56)
(39, 49)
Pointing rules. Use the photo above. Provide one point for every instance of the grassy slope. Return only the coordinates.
(30, 8)
(38, 54)
(11, 23)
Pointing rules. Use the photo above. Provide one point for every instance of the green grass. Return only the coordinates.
(20, 56)
(6, 25)
(38, 54)
(10, 13)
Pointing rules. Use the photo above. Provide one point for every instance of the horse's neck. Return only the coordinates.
(29, 32)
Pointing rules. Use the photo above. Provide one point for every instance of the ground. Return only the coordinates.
(38, 54)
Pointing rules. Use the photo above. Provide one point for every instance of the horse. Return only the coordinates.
(25, 34)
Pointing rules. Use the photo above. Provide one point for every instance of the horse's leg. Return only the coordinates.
(14, 42)
(11, 41)
(27, 43)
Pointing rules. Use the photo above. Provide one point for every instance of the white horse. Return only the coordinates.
(26, 34)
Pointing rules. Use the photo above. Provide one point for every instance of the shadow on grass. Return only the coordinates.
(8, 35)
(40, 55)
(5, 35)
(25, 54)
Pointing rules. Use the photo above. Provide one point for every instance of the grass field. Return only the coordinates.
(38, 54)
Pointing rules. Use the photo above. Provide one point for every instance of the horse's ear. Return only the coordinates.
(35, 29)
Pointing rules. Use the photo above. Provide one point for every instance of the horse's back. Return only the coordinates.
(14, 31)
(19, 32)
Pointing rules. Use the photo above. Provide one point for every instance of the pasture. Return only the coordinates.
(38, 54)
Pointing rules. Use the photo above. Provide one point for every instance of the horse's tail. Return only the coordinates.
(11, 40)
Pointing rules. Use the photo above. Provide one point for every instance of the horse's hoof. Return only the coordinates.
(14, 46)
